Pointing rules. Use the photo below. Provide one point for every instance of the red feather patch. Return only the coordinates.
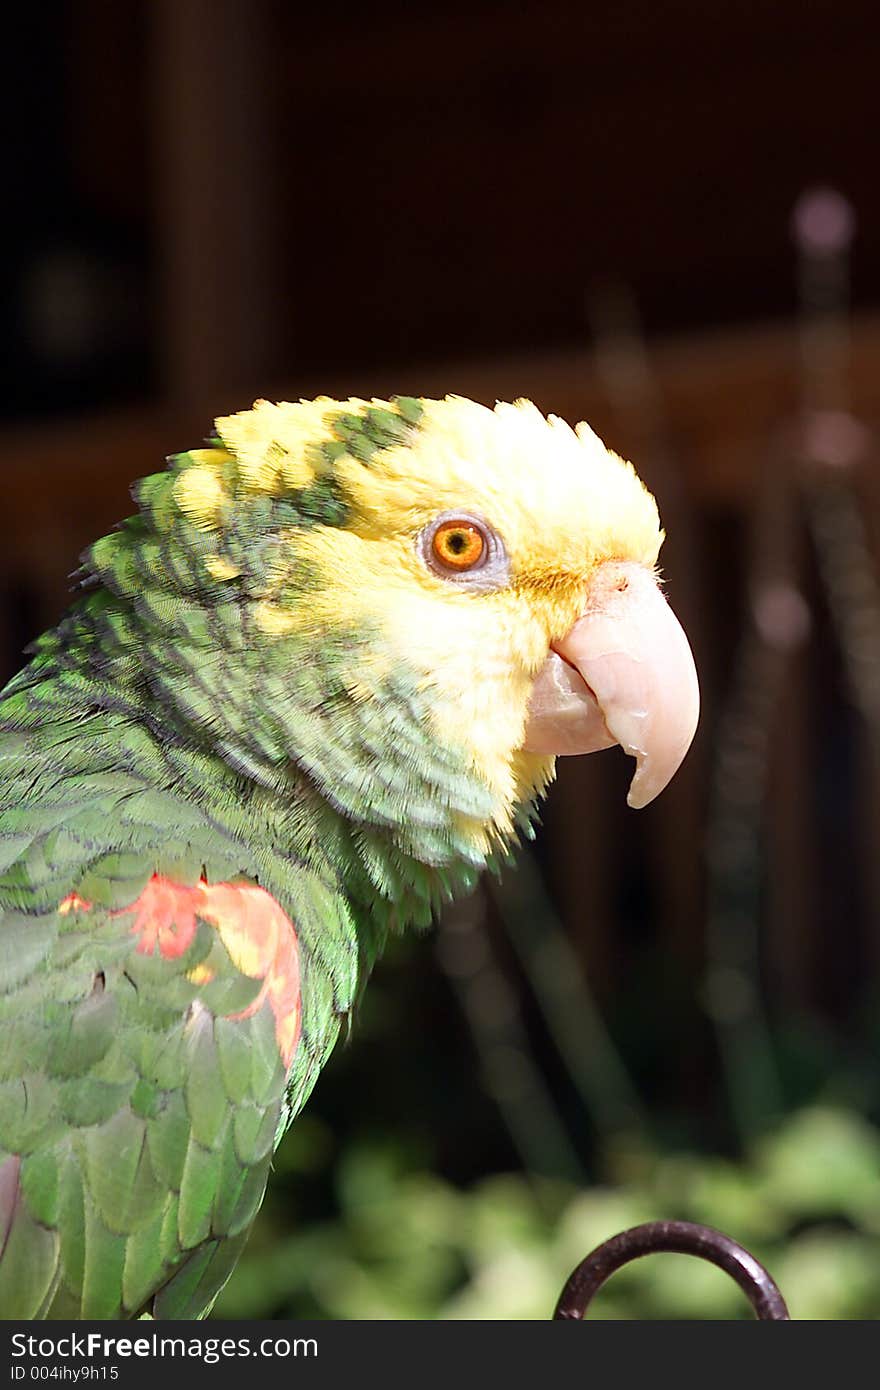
(256, 931)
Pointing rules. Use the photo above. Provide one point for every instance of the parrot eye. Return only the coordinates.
(461, 547)
(458, 545)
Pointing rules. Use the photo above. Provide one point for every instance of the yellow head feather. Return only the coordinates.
(559, 500)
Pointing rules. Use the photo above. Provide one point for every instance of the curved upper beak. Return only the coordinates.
(624, 673)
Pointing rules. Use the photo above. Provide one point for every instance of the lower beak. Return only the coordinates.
(624, 673)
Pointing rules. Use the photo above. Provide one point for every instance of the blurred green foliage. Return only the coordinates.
(405, 1243)
(420, 1181)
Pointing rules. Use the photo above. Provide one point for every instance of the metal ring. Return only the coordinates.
(681, 1237)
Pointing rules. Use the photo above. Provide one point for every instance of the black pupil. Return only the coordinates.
(457, 542)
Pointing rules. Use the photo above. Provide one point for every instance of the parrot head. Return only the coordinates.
(425, 601)
(498, 565)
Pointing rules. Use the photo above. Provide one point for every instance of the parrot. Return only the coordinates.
(306, 694)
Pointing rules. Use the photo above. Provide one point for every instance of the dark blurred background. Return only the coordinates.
(666, 220)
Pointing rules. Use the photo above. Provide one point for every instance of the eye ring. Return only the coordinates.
(463, 549)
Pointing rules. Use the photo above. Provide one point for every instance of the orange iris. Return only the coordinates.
(458, 545)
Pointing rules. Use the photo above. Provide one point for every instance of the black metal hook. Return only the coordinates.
(681, 1237)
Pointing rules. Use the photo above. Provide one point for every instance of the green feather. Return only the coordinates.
(206, 1100)
(41, 1185)
(234, 1051)
(145, 1260)
(103, 1267)
(201, 1173)
(29, 1266)
(81, 1045)
(254, 1133)
(119, 1174)
(71, 1223)
(168, 1133)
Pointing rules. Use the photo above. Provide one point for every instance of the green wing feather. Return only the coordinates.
(138, 1109)
(137, 1117)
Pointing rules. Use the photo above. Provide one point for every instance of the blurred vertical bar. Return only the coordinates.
(573, 1020)
(823, 226)
(756, 832)
(215, 170)
(779, 610)
(674, 828)
(511, 1076)
(837, 457)
(736, 835)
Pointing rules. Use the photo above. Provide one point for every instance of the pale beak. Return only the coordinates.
(624, 673)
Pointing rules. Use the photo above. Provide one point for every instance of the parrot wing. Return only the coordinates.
(151, 1050)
